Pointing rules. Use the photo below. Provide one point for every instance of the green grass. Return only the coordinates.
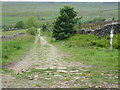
(10, 20)
(102, 59)
(82, 51)
(5, 33)
(13, 49)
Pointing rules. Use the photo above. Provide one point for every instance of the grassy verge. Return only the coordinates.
(13, 32)
(13, 49)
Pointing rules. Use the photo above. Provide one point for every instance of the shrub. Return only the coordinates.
(7, 27)
(91, 40)
(19, 24)
(32, 31)
(44, 27)
(32, 22)
(63, 26)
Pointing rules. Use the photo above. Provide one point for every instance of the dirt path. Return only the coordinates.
(50, 53)
(44, 66)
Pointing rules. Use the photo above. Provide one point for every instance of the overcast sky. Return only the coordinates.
(67, 0)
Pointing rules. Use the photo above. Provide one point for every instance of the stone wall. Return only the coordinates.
(105, 30)
(11, 36)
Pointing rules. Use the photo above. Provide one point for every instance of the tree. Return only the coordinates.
(4, 27)
(19, 24)
(32, 31)
(63, 27)
(44, 27)
(113, 19)
(32, 22)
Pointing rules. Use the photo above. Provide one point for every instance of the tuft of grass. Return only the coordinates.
(38, 85)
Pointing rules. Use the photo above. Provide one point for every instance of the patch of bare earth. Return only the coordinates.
(51, 70)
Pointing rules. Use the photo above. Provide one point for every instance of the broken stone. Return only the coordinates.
(47, 78)
(41, 77)
(65, 75)
(22, 70)
(77, 77)
(61, 71)
(63, 68)
(35, 77)
(107, 77)
(100, 86)
(53, 74)
(109, 74)
(84, 70)
(102, 74)
(57, 87)
(46, 73)
(97, 86)
(92, 86)
(82, 80)
(51, 67)
(31, 78)
(86, 76)
(57, 75)
(77, 73)
(13, 77)
(18, 73)
(41, 68)
(74, 71)
(28, 71)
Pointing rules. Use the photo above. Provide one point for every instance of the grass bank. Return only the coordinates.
(14, 48)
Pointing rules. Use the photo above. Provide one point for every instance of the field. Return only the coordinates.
(24, 9)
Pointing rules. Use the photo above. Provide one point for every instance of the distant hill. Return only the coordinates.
(47, 10)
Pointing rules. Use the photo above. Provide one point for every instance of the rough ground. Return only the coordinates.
(44, 66)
